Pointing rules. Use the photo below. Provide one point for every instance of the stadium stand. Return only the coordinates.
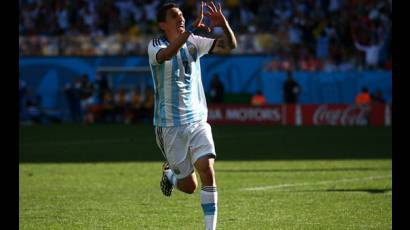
(310, 35)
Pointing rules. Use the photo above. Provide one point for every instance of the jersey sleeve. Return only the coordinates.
(203, 44)
(154, 46)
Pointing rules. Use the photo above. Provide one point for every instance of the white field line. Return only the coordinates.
(314, 183)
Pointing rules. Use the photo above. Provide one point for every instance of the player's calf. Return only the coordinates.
(188, 184)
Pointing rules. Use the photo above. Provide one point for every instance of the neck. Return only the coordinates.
(171, 36)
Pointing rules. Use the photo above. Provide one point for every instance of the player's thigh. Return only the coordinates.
(201, 142)
(174, 145)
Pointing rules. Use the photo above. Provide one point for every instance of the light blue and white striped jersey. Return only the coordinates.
(179, 94)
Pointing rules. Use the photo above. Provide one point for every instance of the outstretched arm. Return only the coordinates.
(228, 42)
(357, 44)
(360, 47)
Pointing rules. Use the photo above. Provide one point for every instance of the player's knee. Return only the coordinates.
(205, 165)
(207, 171)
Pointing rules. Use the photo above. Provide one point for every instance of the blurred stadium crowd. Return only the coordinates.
(89, 102)
(309, 35)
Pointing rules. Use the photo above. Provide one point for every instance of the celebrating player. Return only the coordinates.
(180, 114)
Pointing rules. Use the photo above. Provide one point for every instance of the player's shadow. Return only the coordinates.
(302, 170)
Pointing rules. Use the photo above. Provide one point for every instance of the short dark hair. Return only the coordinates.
(162, 11)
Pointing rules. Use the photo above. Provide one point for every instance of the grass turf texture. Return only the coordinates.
(107, 177)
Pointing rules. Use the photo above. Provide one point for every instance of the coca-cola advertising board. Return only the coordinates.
(342, 114)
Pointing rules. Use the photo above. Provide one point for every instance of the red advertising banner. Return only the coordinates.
(344, 115)
(246, 114)
(325, 114)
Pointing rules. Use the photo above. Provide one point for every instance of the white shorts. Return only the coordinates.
(183, 145)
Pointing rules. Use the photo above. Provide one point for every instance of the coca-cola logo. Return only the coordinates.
(349, 115)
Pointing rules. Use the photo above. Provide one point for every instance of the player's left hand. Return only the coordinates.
(215, 15)
(198, 23)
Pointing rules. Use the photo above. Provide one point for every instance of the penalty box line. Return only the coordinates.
(262, 188)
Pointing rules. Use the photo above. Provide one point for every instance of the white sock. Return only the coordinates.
(171, 177)
(209, 203)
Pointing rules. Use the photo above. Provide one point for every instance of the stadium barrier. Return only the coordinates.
(47, 76)
(305, 115)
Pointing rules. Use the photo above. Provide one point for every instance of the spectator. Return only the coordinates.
(258, 99)
(87, 98)
(92, 111)
(136, 105)
(148, 105)
(87, 90)
(372, 52)
(363, 98)
(108, 104)
(217, 90)
(291, 89)
(101, 85)
(322, 45)
(121, 102)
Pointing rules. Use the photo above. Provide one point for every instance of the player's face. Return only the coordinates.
(175, 21)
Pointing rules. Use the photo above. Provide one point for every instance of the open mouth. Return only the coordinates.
(181, 25)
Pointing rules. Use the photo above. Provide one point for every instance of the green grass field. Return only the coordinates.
(107, 177)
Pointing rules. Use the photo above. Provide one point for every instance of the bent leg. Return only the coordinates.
(204, 166)
(187, 184)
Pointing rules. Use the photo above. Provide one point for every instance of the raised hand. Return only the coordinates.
(198, 23)
(227, 42)
(215, 15)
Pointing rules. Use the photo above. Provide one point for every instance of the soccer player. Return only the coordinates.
(180, 113)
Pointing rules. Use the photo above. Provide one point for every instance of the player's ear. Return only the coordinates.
(162, 25)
